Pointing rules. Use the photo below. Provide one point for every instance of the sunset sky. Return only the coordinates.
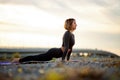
(39, 23)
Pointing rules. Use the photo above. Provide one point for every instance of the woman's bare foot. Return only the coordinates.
(15, 60)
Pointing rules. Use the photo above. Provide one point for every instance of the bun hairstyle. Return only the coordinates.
(68, 23)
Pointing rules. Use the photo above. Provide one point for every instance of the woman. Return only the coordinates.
(64, 51)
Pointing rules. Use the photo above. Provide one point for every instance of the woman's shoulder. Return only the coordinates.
(67, 32)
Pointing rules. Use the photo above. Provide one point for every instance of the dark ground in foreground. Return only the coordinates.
(78, 69)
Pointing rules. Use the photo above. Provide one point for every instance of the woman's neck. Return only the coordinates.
(71, 31)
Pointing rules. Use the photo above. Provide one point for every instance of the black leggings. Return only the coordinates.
(51, 53)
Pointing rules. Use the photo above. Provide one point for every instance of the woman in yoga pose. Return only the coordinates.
(64, 51)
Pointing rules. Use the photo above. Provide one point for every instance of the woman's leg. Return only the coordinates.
(57, 53)
(53, 52)
(40, 57)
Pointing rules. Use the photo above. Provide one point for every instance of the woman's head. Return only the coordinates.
(70, 24)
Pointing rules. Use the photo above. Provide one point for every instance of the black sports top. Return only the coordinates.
(68, 42)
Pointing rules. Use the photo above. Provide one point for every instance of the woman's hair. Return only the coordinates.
(68, 23)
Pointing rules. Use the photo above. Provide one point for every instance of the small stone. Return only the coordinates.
(20, 70)
(41, 71)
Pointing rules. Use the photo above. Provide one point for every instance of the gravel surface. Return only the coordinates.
(81, 68)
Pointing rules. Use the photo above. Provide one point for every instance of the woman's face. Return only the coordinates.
(74, 25)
